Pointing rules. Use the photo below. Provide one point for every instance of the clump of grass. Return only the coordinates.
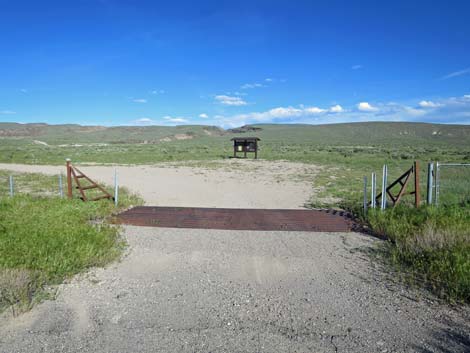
(44, 239)
(430, 245)
(18, 287)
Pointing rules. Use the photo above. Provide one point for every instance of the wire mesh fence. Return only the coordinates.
(452, 184)
(35, 184)
(439, 184)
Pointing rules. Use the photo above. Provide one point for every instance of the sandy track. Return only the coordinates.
(230, 291)
(232, 184)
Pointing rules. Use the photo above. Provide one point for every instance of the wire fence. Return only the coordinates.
(452, 184)
(37, 184)
(443, 184)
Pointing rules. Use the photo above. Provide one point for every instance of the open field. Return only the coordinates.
(346, 152)
(347, 144)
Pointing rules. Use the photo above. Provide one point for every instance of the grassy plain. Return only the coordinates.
(430, 244)
(347, 151)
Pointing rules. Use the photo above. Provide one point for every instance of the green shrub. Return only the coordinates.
(431, 245)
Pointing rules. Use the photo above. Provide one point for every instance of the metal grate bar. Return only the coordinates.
(237, 219)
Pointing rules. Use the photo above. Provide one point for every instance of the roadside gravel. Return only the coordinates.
(185, 290)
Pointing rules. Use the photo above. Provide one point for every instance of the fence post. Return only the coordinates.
(437, 183)
(430, 182)
(116, 188)
(61, 187)
(372, 192)
(384, 187)
(69, 178)
(417, 190)
(365, 194)
(12, 187)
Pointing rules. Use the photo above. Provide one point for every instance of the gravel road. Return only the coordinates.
(229, 183)
(180, 290)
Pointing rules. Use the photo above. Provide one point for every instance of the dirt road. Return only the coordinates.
(230, 291)
(230, 183)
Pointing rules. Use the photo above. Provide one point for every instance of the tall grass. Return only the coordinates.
(44, 239)
(430, 245)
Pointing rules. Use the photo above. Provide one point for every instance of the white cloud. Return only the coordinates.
(279, 114)
(454, 110)
(366, 107)
(230, 100)
(139, 100)
(269, 79)
(161, 91)
(314, 110)
(7, 112)
(356, 67)
(429, 104)
(456, 73)
(203, 116)
(251, 85)
(144, 121)
(336, 109)
(414, 112)
(23, 90)
(286, 112)
(177, 120)
(166, 120)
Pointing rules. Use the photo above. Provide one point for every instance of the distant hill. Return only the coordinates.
(72, 133)
(368, 133)
(338, 134)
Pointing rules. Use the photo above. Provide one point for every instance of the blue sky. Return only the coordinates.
(230, 63)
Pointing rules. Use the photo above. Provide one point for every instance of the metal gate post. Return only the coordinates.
(372, 192)
(430, 182)
(12, 186)
(417, 190)
(384, 187)
(365, 195)
(116, 188)
(438, 182)
(61, 187)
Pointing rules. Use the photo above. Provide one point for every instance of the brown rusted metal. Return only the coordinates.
(94, 185)
(403, 188)
(74, 174)
(403, 180)
(238, 219)
(79, 185)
